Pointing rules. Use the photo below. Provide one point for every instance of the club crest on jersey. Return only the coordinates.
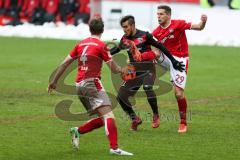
(171, 30)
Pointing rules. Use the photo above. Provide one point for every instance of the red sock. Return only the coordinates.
(148, 56)
(182, 106)
(91, 125)
(111, 132)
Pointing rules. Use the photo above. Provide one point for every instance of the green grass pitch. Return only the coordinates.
(29, 128)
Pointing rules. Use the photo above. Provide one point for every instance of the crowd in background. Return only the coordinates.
(37, 12)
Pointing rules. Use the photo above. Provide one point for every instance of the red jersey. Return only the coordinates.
(174, 37)
(90, 53)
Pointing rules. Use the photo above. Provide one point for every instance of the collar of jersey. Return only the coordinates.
(131, 37)
(96, 37)
(167, 26)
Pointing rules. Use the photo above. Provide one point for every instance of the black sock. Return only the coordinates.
(153, 104)
(151, 96)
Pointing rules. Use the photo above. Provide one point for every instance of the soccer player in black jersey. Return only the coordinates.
(145, 69)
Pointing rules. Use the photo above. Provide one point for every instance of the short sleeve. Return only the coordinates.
(106, 56)
(74, 52)
(183, 25)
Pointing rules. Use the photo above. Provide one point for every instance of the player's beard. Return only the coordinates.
(130, 34)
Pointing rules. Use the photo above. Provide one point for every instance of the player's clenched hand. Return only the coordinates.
(128, 72)
(133, 50)
(51, 87)
(204, 18)
(179, 66)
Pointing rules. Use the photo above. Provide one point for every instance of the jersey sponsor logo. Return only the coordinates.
(171, 30)
(171, 36)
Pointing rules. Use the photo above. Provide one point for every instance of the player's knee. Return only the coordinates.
(147, 87)
(109, 115)
(156, 52)
(179, 95)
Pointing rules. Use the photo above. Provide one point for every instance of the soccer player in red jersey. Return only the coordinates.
(171, 33)
(90, 54)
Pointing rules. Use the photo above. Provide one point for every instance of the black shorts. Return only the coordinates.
(144, 77)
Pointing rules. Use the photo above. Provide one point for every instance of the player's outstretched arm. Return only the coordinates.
(114, 67)
(114, 50)
(60, 70)
(127, 73)
(201, 24)
(118, 48)
(176, 64)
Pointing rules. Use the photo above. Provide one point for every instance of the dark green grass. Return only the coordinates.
(29, 128)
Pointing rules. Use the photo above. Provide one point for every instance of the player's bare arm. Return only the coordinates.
(63, 66)
(115, 68)
(201, 24)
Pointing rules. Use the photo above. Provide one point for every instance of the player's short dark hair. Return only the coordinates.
(128, 18)
(96, 26)
(166, 8)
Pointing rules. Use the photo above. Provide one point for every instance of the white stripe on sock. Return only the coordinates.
(106, 128)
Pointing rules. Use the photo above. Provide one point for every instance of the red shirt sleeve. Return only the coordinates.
(74, 52)
(183, 25)
(106, 56)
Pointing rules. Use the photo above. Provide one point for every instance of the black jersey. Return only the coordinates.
(143, 40)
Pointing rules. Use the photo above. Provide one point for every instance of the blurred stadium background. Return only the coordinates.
(70, 25)
(29, 52)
